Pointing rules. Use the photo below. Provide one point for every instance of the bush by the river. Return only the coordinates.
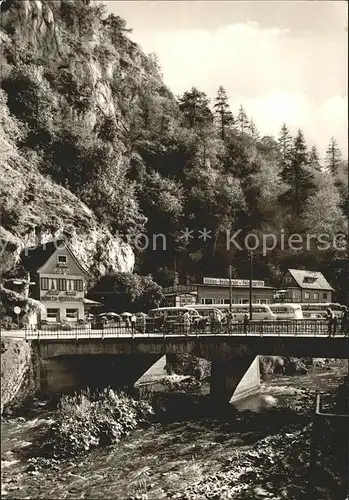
(85, 421)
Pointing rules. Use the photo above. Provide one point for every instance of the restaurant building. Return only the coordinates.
(216, 291)
(60, 282)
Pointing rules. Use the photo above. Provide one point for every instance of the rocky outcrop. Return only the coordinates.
(55, 212)
(68, 38)
(19, 372)
(33, 205)
(72, 61)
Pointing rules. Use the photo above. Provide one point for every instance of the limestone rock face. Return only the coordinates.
(58, 32)
(15, 370)
(62, 38)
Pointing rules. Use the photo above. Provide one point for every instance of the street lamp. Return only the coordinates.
(250, 254)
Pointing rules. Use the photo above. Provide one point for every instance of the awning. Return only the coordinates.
(91, 303)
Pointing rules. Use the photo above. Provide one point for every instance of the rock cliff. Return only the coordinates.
(71, 67)
(20, 378)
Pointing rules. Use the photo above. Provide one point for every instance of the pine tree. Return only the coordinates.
(222, 111)
(333, 157)
(314, 159)
(242, 121)
(297, 175)
(285, 143)
(194, 105)
(253, 130)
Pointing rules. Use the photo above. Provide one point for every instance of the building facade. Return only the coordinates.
(213, 291)
(305, 286)
(60, 282)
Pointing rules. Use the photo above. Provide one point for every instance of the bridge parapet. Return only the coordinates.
(313, 328)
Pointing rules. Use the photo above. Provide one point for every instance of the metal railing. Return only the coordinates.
(326, 414)
(156, 328)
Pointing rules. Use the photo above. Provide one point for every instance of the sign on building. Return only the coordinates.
(225, 282)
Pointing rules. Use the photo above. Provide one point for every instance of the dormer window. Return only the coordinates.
(62, 259)
(309, 279)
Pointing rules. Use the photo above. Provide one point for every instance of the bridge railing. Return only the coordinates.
(154, 328)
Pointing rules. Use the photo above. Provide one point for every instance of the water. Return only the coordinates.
(166, 458)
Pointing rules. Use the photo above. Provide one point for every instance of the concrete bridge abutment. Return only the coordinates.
(234, 379)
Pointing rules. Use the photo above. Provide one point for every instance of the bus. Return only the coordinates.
(173, 316)
(207, 311)
(260, 312)
(318, 310)
(285, 311)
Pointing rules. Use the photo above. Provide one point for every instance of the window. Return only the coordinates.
(53, 284)
(62, 259)
(79, 286)
(52, 314)
(243, 301)
(70, 286)
(227, 301)
(207, 301)
(306, 295)
(324, 295)
(263, 301)
(288, 279)
(316, 296)
(71, 314)
(62, 284)
(44, 284)
(309, 279)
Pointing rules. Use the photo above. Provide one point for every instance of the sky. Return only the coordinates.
(284, 61)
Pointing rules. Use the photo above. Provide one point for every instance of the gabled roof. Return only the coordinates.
(313, 280)
(33, 258)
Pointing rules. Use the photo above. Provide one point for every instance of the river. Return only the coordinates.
(166, 459)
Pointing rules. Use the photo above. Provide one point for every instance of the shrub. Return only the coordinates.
(85, 421)
(7, 323)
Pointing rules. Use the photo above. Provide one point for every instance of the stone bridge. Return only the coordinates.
(119, 358)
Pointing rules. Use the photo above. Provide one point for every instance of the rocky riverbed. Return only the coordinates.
(260, 450)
